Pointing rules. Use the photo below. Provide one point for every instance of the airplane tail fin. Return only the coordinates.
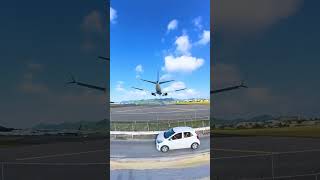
(72, 81)
(158, 77)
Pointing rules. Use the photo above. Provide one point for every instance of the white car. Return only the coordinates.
(177, 138)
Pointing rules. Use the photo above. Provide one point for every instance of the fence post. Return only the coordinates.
(148, 125)
(2, 171)
(272, 166)
(135, 125)
(132, 128)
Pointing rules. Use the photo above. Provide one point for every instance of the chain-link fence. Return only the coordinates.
(296, 165)
(158, 118)
(157, 125)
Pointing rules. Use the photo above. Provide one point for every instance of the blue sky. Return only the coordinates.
(41, 44)
(150, 36)
(274, 47)
(271, 45)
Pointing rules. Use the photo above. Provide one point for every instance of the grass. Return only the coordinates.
(192, 103)
(302, 131)
(156, 126)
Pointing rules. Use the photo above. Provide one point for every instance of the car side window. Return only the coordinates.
(187, 134)
(177, 136)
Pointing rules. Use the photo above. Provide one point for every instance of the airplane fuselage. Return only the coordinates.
(158, 89)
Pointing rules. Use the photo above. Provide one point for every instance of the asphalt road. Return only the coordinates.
(192, 173)
(231, 158)
(80, 159)
(254, 157)
(160, 112)
(147, 149)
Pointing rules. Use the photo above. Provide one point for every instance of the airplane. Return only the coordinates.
(158, 87)
(74, 81)
(241, 85)
(157, 83)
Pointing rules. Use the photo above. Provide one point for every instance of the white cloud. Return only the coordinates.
(173, 24)
(29, 86)
(197, 22)
(139, 68)
(123, 94)
(182, 63)
(183, 44)
(35, 66)
(174, 86)
(252, 15)
(185, 94)
(165, 77)
(92, 22)
(119, 86)
(205, 38)
(113, 15)
(188, 93)
(135, 94)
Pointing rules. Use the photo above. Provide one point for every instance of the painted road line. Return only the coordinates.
(59, 155)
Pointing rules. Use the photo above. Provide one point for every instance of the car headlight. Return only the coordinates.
(159, 141)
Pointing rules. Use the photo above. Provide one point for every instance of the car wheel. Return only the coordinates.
(164, 148)
(194, 145)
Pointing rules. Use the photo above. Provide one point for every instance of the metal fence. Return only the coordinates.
(159, 125)
(296, 165)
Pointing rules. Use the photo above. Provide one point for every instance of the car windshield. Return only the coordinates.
(168, 133)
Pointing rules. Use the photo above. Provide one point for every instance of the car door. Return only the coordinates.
(176, 141)
(187, 139)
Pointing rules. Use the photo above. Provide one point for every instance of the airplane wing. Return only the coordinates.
(104, 58)
(229, 88)
(180, 89)
(162, 82)
(175, 90)
(148, 81)
(73, 81)
(138, 88)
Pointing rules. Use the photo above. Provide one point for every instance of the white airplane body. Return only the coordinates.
(158, 90)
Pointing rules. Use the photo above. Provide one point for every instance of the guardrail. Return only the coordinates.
(151, 134)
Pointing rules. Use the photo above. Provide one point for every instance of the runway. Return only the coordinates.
(159, 112)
